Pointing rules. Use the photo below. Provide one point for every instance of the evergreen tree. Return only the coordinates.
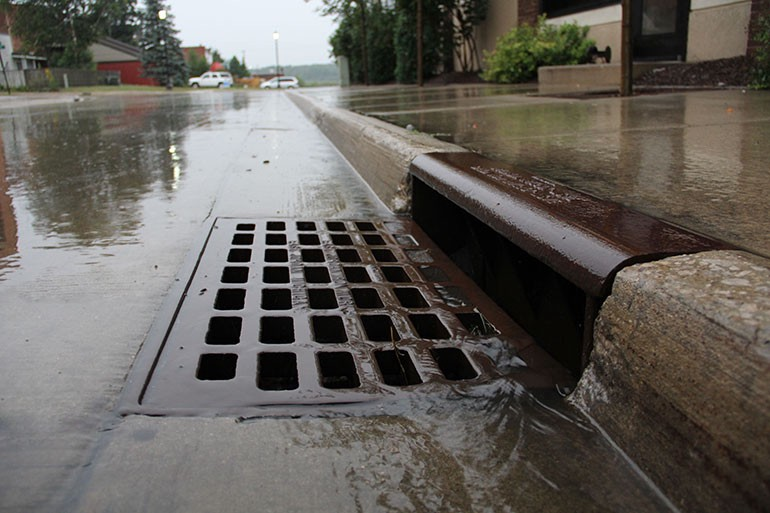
(216, 57)
(197, 64)
(162, 57)
(237, 68)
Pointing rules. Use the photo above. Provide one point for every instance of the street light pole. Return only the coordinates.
(162, 15)
(276, 36)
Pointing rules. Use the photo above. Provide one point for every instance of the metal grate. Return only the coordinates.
(298, 312)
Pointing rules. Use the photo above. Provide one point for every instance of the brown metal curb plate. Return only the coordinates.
(583, 238)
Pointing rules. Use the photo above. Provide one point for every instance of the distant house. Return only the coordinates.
(13, 60)
(113, 55)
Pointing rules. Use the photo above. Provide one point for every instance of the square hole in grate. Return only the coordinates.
(275, 239)
(224, 331)
(245, 227)
(341, 239)
(275, 275)
(235, 275)
(395, 274)
(434, 274)
(356, 275)
(429, 326)
(379, 328)
(373, 239)
(276, 299)
(239, 255)
(277, 371)
(313, 255)
(276, 330)
(305, 226)
(338, 370)
(476, 324)
(348, 255)
(410, 297)
(452, 295)
(230, 299)
(308, 239)
(397, 368)
(322, 299)
(366, 227)
(328, 329)
(276, 226)
(336, 226)
(384, 255)
(406, 240)
(367, 298)
(453, 363)
(216, 367)
(243, 239)
(317, 275)
(421, 256)
(276, 255)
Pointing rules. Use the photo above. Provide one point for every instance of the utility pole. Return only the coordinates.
(276, 37)
(5, 75)
(162, 15)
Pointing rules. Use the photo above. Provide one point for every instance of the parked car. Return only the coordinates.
(280, 83)
(212, 79)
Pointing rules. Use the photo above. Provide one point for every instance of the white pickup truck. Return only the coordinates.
(212, 79)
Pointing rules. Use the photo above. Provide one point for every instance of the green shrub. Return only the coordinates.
(519, 53)
(761, 65)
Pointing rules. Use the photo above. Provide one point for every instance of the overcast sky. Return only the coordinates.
(237, 26)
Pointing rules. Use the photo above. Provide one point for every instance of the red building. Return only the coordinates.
(113, 55)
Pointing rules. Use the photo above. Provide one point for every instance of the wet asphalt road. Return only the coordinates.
(102, 200)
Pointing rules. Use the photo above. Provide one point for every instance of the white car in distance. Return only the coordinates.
(212, 79)
(280, 83)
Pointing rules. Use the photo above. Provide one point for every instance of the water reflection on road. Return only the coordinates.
(82, 172)
(100, 201)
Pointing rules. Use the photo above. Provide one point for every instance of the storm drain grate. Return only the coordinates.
(318, 312)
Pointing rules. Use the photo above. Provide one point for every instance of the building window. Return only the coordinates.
(556, 8)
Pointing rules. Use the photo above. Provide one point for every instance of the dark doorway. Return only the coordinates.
(660, 29)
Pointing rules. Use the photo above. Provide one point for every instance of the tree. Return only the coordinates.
(376, 35)
(197, 64)
(346, 11)
(238, 68)
(162, 57)
(61, 30)
(216, 57)
(436, 42)
(466, 15)
(123, 21)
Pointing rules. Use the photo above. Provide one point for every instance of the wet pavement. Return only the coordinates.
(697, 159)
(103, 200)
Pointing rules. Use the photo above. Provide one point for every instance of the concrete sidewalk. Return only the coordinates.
(696, 159)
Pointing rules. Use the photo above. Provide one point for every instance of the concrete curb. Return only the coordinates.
(680, 372)
(680, 377)
(380, 152)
